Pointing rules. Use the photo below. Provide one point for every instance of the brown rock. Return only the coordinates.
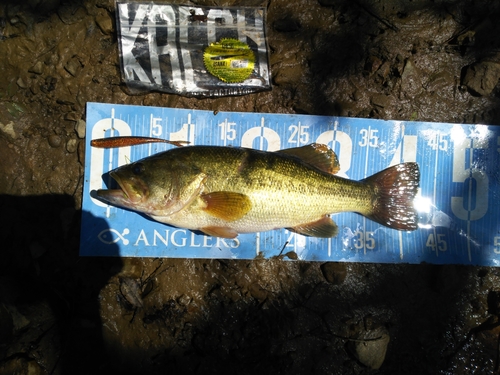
(334, 273)
(482, 77)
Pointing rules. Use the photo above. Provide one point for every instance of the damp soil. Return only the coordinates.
(417, 60)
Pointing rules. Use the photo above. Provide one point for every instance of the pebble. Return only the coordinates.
(37, 68)
(372, 64)
(481, 78)
(184, 300)
(73, 66)
(80, 128)
(257, 292)
(335, 273)
(411, 80)
(72, 116)
(104, 23)
(71, 145)
(54, 141)
(20, 82)
(371, 348)
(8, 129)
(380, 100)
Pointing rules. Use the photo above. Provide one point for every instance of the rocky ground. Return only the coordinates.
(59, 314)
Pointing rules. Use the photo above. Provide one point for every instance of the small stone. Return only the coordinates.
(334, 273)
(384, 70)
(184, 300)
(104, 23)
(411, 79)
(80, 128)
(20, 82)
(54, 140)
(37, 68)
(73, 66)
(357, 95)
(380, 100)
(257, 292)
(372, 64)
(71, 145)
(72, 116)
(8, 129)
(371, 349)
(481, 78)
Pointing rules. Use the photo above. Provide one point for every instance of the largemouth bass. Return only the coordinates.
(224, 191)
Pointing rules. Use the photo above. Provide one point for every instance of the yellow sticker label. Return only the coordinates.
(229, 60)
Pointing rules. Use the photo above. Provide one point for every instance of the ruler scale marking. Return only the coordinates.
(457, 240)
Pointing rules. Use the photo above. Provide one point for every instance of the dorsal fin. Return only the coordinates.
(317, 155)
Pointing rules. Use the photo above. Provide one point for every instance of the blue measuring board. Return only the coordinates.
(457, 203)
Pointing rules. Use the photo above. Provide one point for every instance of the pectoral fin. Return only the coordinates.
(317, 155)
(223, 232)
(324, 228)
(226, 205)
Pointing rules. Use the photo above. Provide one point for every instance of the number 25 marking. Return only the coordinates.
(299, 135)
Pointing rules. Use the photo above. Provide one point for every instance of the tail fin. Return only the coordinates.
(395, 190)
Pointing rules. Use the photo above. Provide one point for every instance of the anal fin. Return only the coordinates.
(223, 232)
(226, 205)
(323, 228)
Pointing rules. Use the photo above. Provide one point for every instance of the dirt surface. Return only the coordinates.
(61, 314)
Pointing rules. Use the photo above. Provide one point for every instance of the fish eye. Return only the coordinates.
(138, 168)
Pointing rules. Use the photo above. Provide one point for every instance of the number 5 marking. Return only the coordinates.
(475, 181)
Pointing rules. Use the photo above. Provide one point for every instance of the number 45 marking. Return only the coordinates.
(437, 242)
(496, 244)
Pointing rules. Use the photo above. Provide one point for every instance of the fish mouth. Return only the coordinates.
(126, 195)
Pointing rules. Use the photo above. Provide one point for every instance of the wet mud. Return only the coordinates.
(60, 314)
